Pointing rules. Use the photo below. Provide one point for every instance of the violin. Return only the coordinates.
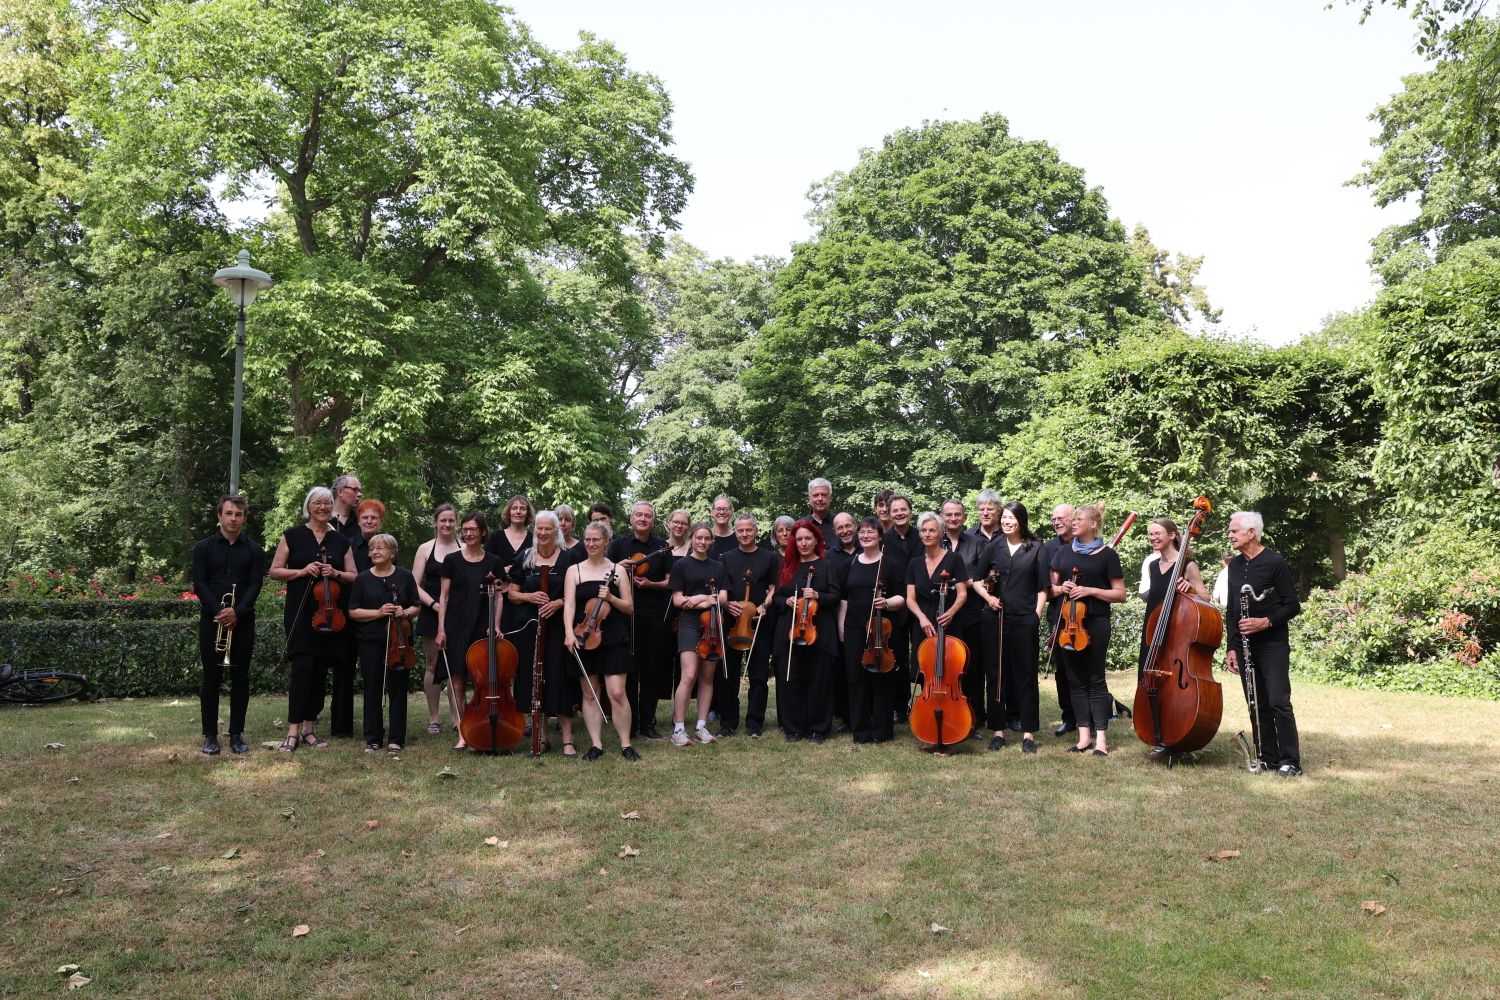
(400, 654)
(711, 643)
(1071, 635)
(640, 562)
(804, 632)
(1178, 704)
(742, 636)
(590, 631)
(878, 657)
(328, 617)
(940, 715)
(491, 722)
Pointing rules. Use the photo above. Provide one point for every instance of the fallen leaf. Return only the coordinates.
(289, 814)
(496, 842)
(940, 929)
(737, 984)
(150, 735)
(72, 781)
(320, 853)
(163, 871)
(630, 815)
(447, 772)
(277, 723)
(231, 854)
(174, 703)
(1223, 855)
(173, 757)
(461, 930)
(1373, 907)
(65, 969)
(301, 930)
(78, 981)
(54, 746)
(269, 745)
(408, 854)
(1390, 878)
(372, 824)
(626, 851)
(161, 836)
(603, 871)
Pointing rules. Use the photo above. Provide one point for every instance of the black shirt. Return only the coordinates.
(621, 548)
(369, 592)
(723, 544)
(762, 564)
(302, 549)
(691, 575)
(1021, 576)
(971, 550)
(615, 629)
(350, 528)
(830, 537)
(1049, 552)
(826, 620)
(218, 566)
(464, 615)
(1271, 579)
(499, 546)
(901, 550)
(858, 589)
(1094, 570)
(1160, 578)
(927, 595)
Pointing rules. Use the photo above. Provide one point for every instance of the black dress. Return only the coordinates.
(561, 687)
(804, 689)
(872, 695)
(432, 585)
(612, 656)
(1022, 575)
(1155, 595)
(464, 618)
(303, 549)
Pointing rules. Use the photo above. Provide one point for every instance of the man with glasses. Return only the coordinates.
(346, 496)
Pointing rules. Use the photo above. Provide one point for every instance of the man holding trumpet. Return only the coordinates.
(227, 572)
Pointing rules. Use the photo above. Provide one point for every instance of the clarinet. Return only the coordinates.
(1253, 764)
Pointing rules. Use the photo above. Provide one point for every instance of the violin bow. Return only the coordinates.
(588, 681)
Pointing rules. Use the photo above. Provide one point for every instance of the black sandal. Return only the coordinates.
(311, 740)
(288, 745)
(594, 753)
(565, 750)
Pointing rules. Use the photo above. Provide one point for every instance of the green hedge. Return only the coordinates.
(24, 609)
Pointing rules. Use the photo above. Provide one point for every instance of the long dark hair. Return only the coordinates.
(1018, 508)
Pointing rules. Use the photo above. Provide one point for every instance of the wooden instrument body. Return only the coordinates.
(590, 631)
(878, 657)
(710, 640)
(1071, 633)
(804, 631)
(941, 715)
(1178, 695)
(400, 654)
(742, 636)
(327, 617)
(491, 721)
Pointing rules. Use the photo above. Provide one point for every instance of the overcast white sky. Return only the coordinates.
(1227, 128)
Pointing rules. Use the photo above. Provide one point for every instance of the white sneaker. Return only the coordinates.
(680, 738)
(704, 736)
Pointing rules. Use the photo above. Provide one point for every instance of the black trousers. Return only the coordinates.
(1018, 682)
(990, 711)
(305, 686)
(372, 665)
(804, 704)
(1278, 724)
(1092, 704)
(655, 653)
(241, 646)
(872, 696)
(906, 671)
(1059, 675)
(757, 660)
(341, 692)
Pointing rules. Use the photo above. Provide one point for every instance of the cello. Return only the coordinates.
(1178, 704)
(491, 722)
(878, 657)
(940, 715)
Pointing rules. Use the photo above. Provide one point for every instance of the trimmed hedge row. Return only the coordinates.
(23, 609)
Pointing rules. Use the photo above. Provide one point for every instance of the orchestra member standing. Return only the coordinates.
(608, 664)
(1156, 573)
(369, 515)
(923, 576)
(901, 545)
(880, 504)
(1022, 578)
(751, 565)
(427, 567)
(567, 519)
(226, 565)
(1273, 602)
(969, 622)
(308, 554)
(1062, 527)
(725, 537)
(870, 580)
(804, 684)
(381, 593)
(694, 583)
(652, 643)
(1087, 570)
(346, 494)
(463, 604)
(820, 503)
(533, 604)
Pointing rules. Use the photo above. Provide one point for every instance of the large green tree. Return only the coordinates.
(951, 267)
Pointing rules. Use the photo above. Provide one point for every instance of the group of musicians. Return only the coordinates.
(811, 588)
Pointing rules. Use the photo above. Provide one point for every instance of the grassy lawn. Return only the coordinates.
(766, 869)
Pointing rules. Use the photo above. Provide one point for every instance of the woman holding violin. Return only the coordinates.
(871, 584)
(807, 599)
(1156, 577)
(367, 517)
(427, 567)
(383, 601)
(695, 595)
(313, 561)
(462, 604)
(1086, 575)
(597, 602)
(537, 602)
(1012, 582)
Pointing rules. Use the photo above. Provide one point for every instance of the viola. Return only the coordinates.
(742, 636)
(538, 717)
(878, 657)
(804, 631)
(328, 617)
(1178, 704)
(640, 562)
(940, 715)
(711, 641)
(590, 631)
(491, 722)
(1071, 635)
(400, 654)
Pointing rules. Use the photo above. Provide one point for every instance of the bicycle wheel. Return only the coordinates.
(35, 687)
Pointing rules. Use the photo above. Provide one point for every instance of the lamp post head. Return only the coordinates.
(242, 282)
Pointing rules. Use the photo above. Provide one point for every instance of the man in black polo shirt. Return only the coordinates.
(652, 642)
(346, 494)
(722, 527)
(1062, 525)
(756, 566)
(820, 500)
(227, 563)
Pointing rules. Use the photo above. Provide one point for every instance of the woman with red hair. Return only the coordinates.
(804, 673)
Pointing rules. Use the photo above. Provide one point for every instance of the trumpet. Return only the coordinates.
(225, 636)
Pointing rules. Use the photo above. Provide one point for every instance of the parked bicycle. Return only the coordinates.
(39, 686)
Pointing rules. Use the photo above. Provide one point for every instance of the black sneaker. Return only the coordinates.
(754, 734)
(819, 738)
(211, 745)
(1028, 745)
(629, 753)
(1284, 771)
(237, 743)
(794, 737)
(1064, 729)
(726, 731)
(593, 753)
(652, 733)
(997, 742)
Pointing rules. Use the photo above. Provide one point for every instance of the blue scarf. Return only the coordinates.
(1088, 549)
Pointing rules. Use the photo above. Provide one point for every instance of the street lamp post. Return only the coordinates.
(243, 283)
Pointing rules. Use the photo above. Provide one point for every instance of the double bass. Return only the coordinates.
(940, 715)
(491, 722)
(1178, 704)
